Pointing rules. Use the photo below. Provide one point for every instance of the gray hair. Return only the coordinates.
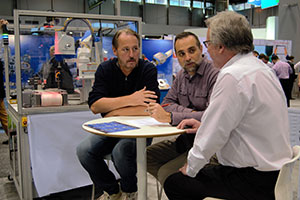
(231, 30)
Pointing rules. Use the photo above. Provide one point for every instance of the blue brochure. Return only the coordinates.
(111, 127)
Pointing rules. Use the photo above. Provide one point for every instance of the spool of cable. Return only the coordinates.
(51, 99)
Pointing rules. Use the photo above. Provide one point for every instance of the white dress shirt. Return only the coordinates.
(246, 123)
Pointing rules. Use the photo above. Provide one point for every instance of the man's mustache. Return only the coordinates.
(131, 59)
(188, 63)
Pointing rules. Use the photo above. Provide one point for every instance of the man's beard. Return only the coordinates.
(191, 68)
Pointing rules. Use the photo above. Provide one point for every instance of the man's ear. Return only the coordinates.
(114, 51)
(201, 48)
(221, 49)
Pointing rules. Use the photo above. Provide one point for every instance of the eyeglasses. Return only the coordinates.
(206, 43)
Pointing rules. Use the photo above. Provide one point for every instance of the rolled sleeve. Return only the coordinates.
(177, 117)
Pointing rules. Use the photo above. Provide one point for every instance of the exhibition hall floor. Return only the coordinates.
(8, 190)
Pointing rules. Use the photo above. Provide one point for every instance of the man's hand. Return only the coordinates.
(183, 169)
(142, 97)
(191, 123)
(157, 112)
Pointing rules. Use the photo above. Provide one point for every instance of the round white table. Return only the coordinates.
(148, 128)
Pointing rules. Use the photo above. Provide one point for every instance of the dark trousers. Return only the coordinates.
(291, 84)
(91, 152)
(222, 182)
(285, 84)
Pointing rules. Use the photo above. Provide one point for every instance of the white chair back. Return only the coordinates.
(286, 187)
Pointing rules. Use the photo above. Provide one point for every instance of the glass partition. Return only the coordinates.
(53, 56)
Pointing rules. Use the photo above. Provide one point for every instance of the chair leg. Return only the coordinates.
(93, 192)
(159, 189)
(107, 158)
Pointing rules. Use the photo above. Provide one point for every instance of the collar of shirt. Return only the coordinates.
(233, 60)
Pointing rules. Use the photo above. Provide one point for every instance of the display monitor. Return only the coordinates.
(264, 3)
(268, 3)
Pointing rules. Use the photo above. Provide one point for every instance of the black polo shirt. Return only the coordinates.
(111, 82)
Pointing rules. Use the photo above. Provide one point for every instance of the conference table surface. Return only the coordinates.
(147, 128)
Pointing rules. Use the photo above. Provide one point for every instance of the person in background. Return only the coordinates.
(297, 67)
(245, 123)
(263, 58)
(44, 72)
(56, 74)
(255, 53)
(283, 71)
(297, 70)
(3, 113)
(187, 98)
(270, 64)
(123, 86)
(290, 61)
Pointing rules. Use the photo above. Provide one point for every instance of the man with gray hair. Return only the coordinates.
(245, 124)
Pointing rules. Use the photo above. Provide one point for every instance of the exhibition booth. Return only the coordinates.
(48, 121)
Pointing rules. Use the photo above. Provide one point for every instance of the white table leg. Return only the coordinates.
(141, 168)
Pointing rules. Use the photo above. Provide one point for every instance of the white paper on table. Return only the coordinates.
(145, 122)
